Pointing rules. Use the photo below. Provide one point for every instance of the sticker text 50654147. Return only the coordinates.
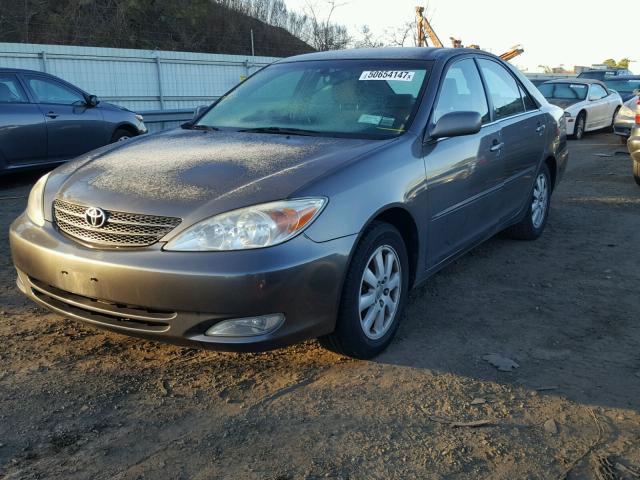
(401, 75)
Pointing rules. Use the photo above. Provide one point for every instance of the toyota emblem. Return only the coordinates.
(95, 217)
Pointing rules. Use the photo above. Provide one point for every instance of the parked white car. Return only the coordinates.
(588, 104)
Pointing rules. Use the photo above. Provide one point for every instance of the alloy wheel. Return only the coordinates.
(540, 201)
(380, 289)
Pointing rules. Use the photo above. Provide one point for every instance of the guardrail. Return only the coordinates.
(157, 120)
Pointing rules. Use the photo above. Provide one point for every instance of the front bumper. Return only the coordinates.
(176, 296)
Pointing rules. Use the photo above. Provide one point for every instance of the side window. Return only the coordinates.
(10, 90)
(529, 102)
(49, 91)
(503, 89)
(462, 91)
(597, 92)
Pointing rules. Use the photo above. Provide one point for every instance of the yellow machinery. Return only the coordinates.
(425, 29)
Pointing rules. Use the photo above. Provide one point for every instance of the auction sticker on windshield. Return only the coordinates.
(401, 75)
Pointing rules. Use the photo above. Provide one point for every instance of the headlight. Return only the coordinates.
(35, 204)
(567, 114)
(139, 117)
(252, 227)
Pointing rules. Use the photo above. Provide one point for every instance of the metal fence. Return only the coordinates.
(162, 85)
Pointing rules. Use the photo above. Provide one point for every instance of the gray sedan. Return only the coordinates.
(305, 203)
(45, 120)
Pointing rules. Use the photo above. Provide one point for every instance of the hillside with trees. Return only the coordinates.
(213, 26)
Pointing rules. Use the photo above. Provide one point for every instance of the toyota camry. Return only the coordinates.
(306, 202)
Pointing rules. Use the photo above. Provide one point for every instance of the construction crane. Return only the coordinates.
(425, 29)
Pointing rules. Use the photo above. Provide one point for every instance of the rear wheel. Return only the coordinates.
(578, 131)
(121, 135)
(613, 119)
(533, 223)
(636, 172)
(373, 296)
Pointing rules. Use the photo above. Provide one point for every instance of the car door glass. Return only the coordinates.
(503, 90)
(11, 91)
(48, 91)
(597, 92)
(462, 91)
(529, 102)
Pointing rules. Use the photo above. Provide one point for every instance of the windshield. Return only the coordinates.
(346, 98)
(625, 86)
(564, 91)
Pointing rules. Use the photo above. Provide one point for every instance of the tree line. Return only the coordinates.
(215, 26)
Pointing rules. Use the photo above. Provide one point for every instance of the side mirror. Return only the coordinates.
(92, 101)
(198, 111)
(456, 124)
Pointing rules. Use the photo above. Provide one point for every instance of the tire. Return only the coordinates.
(636, 172)
(623, 140)
(534, 221)
(352, 337)
(578, 133)
(121, 135)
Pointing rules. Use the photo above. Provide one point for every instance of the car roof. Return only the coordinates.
(624, 77)
(21, 70)
(388, 53)
(584, 81)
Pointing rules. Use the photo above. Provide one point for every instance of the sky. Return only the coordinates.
(552, 32)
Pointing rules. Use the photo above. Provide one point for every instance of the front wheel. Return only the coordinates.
(373, 296)
(636, 172)
(121, 135)
(534, 221)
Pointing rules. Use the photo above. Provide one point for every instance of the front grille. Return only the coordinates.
(121, 229)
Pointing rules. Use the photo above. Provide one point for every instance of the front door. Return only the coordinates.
(73, 128)
(464, 174)
(598, 115)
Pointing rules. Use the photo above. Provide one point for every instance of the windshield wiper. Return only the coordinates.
(190, 126)
(279, 130)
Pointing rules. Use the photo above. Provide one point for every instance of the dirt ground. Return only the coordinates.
(77, 402)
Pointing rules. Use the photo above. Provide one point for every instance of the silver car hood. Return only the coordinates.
(195, 174)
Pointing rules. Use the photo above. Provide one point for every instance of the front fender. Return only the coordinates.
(393, 176)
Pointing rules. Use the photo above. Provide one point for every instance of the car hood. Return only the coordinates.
(187, 173)
(562, 103)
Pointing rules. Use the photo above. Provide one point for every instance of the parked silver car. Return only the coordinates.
(306, 202)
(634, 150)
(625, 120)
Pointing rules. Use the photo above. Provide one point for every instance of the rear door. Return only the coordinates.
(522, 130)
(73, 128)
(23, 133)
(464, 174)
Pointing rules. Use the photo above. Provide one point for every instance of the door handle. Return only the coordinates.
(51, 115)
(540, 128)
(496, 146)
